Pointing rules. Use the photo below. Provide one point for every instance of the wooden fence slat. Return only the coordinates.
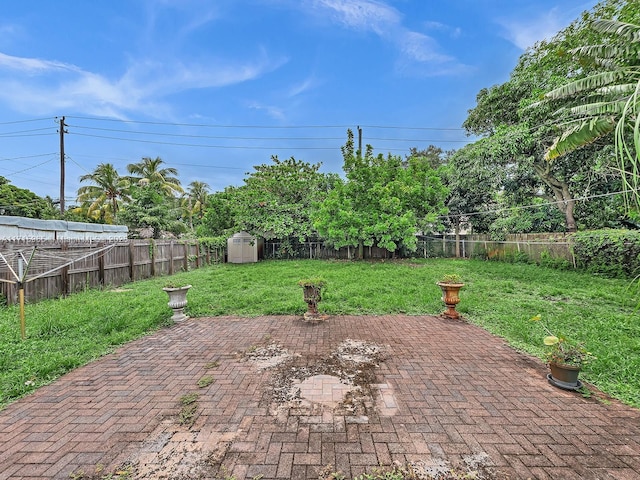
(123, 263)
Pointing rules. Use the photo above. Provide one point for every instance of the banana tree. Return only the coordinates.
(605, 102)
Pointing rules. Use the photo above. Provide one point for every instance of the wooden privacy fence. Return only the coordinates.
(121, 263)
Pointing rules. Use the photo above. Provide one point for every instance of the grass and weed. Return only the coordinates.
(501, 297)
(65, 333)
(205, 381)
(123, 472)
(188, 409)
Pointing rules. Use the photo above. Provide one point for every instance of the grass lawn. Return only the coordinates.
(65, 333)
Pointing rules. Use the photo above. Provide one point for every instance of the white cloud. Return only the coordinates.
(525, 33)
(453, 32)
(304, 86)
(32, 85)
(273, 111)
(361, 14)
(33, 65)
(387, 22)
(421, 48)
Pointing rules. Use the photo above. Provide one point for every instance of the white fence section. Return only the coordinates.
(21, 228)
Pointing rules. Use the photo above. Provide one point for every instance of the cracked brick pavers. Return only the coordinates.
(442, 394)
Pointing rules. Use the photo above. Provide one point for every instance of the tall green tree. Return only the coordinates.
(516, 127)
(21, 202)
(384, 201)
(199, 192)
(151, 208)
(194, 201)
(607, 100)
(473, 181)
(220, 215)
(277, 200)
(106, 190)
(150, 171)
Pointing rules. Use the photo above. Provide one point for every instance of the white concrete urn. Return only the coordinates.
(177, 301)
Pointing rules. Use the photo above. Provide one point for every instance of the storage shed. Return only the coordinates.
(243, 247)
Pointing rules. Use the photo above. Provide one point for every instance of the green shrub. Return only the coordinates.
(613, 253)
(511, 256)
(549, 261)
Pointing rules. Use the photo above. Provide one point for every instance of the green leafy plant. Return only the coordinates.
(561, 350)
(205, 381)
(214, 364)
(312, 282)
(188, 410)
(451, 278)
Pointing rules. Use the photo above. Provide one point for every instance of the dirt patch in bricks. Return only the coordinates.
(341, 382)
(339, 388)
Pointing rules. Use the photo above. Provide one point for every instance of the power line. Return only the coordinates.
(30, 135)
(225, 137)
(27, 156)
(76, 163)
(209, 125)
(29, 168)
(237, 147)
(24, 131)
(244, 147)
(206, 166)
(535, 205)
(25, 121)
(229, 137)
(412, 128)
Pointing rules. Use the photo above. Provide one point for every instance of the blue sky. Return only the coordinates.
(215, 87)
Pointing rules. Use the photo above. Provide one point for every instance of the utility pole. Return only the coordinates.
(360, 140)
(62, 131)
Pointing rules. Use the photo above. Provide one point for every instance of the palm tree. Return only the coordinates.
(195, 199)
(198, 192)
(605, 102)
(148, 171)
(101, 199)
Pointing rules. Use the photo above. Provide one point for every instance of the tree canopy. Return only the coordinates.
(21, 202)
(516, 128)
(101, 199)
(384, 201)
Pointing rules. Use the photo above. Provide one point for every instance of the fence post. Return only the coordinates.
(185, 260)
(64, 275)
(152, 254)
(171, 257)
(132, 263)
(101, 266)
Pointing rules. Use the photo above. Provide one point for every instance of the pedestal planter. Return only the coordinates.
(450, 297)
(177, 301)
(564, 376)
(312, 295)
(312, 292)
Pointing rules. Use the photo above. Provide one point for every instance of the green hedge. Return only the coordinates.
(614, 253)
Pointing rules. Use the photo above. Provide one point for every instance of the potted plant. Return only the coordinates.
(177, 300)
(565, 359)
(451, 284)
(312, 292)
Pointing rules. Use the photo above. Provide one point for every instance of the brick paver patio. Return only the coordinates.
(444, 393)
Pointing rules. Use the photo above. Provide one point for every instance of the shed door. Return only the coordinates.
(248, 250)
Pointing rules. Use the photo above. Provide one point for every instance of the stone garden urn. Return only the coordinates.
(177, 301)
